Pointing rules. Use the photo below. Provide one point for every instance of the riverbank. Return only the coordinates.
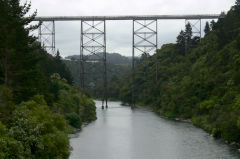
(140, 134)
(75, 131)
(230, 143)
(165, 115)
(201, 83)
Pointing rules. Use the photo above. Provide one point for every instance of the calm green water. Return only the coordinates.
(122, 133)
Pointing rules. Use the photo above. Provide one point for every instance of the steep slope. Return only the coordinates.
(38, 105)
(202, 84)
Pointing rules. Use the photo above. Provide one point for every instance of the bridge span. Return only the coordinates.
(93, 38)
(129, 17)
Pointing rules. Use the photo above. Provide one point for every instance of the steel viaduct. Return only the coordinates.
(93, 38)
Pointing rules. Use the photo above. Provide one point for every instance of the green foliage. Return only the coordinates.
(74, 120)
(17, 58)
(6, 104)
(202, 85)
(11, 149)
(188, 33)
(207, 105)
(181, 41)
(94, 78)
(56, 65)
(213, 25)
(72, 100)
(25, 67)
(207, 28)
(32, 124)
(33, 87)
(34, 132)
(186, 41)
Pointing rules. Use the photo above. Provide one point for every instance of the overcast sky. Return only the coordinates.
(119, 33)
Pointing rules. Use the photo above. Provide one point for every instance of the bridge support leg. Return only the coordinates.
(46, 36)
(133, 68)
(93, 42)
(81, 57)
(105, 68)
(145, 43)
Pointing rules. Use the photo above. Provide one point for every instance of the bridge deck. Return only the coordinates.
(131, 17)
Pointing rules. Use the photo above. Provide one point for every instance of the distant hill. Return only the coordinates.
(113, 58)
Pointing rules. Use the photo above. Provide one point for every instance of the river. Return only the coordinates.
(123, 133)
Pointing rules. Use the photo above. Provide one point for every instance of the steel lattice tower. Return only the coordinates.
(46, 36)
(93, 41)
(145, 42)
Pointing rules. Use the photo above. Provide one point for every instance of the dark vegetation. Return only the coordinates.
(38, 105)
(197, 80)
(116, 69)
(112, 58)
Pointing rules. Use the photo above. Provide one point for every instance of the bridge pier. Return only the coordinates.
(93, 41)
(145, 43)
(46, 36)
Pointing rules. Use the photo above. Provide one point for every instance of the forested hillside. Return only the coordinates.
(38, 105)
(94, 76)
(197, 80)
(112, 58)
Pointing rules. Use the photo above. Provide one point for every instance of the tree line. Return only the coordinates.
(197, 79)
(39, 106)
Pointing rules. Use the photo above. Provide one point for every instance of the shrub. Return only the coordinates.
(74, 120)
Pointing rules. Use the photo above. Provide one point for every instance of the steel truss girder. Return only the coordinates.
(145, 41)
(129, 17)
(93, 41)
(46, 36)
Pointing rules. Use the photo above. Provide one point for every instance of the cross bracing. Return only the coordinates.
(93, 39)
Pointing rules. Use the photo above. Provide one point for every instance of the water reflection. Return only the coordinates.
(122, 133)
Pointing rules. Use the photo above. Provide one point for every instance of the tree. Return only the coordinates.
(181, 40)
(18, 60)
(32, 129)
(58, 57)
(15, 39)
(207, 28)
(74, 120)
(188, 33)
(195, 40)
(204, 84)
(184, 39)
(237, 2)
(61, 68)
(144, 57)
(213, 25)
